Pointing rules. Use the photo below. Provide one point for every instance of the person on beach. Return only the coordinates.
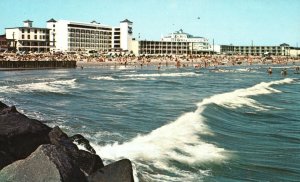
(158, 67)
(270, 70)
(297, 69)
(284, 72)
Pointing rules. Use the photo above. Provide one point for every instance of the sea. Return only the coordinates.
(231, 123)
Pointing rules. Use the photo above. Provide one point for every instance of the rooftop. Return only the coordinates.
(51, 20)
(27, 21)
(126, 21)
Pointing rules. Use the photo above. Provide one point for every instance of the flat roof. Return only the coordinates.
(28, 28)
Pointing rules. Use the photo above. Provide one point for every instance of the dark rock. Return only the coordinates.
(62, 161)
(84, 142)
(19, 135)
(120, 171)
(2, 106)
(8, 110)
(5, 158)
(47, 163)
(59, 138)
(87, 162)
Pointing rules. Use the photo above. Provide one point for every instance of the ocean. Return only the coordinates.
(233, 124)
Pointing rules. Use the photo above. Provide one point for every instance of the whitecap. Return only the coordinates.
(102, 78)
(164, 75)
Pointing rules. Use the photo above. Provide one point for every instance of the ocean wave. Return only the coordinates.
(177, 140)
(164, 75)
(102, 78)
(119, 79)
(240, 97)
(57, 86)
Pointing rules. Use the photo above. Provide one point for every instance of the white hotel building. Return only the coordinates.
(77, 36)
(177, 43)
(28, 38)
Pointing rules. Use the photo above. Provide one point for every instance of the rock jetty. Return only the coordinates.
(32, 151)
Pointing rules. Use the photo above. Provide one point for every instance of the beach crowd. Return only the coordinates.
(197, 61)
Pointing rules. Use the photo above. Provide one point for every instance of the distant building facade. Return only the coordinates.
(281, 50)
(3, 43)
(28, 38)
(177, 43)
(77, 36)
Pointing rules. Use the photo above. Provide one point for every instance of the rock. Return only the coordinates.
(2, 106)
(84, 142)
(19, 135)
(87, 162)
(5, 158)
(120, 171)
(47, 163)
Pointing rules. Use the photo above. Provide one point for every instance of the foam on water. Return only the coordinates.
(179, 140)
(240, 97)
(102, 78)
(164, 75)
(57, 86)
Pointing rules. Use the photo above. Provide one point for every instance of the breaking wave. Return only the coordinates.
(164, 75)
(57, 86)
(180, 140)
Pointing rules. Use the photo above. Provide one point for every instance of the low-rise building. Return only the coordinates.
(177, 43)
(3, 43)
(281, 50)
(28, 38)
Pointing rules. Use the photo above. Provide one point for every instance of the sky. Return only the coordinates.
(237, 22)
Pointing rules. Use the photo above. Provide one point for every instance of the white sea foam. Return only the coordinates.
(48, 86)
(240, 97)
(176, 141)
(179, 140)
(164, 75)
(102, 78)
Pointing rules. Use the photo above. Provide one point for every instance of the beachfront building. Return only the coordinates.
(28, 38)
(3, 43)
(177, 43)
(68, 35)
(281, 50)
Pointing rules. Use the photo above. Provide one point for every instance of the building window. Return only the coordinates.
(35, 36)
(23, 36)
(28, 36)
(23, 30)
(28, 30)
(35, 31)
(53, 25)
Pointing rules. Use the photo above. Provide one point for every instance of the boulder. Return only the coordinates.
(57, 158)
(19, 135)
(2, 106)
(120, 171)
(87, 161)
(84, 142)
(47, 163)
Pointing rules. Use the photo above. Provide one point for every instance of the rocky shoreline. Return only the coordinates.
(32, 151)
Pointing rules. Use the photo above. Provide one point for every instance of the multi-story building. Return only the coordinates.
(77, 36)
(28, 38)
(178, 43)
(3, 43)
(282, 50)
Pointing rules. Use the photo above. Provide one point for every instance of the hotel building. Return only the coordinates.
(77, 36)
(281, 50)
(178, 43)
(28, 38)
